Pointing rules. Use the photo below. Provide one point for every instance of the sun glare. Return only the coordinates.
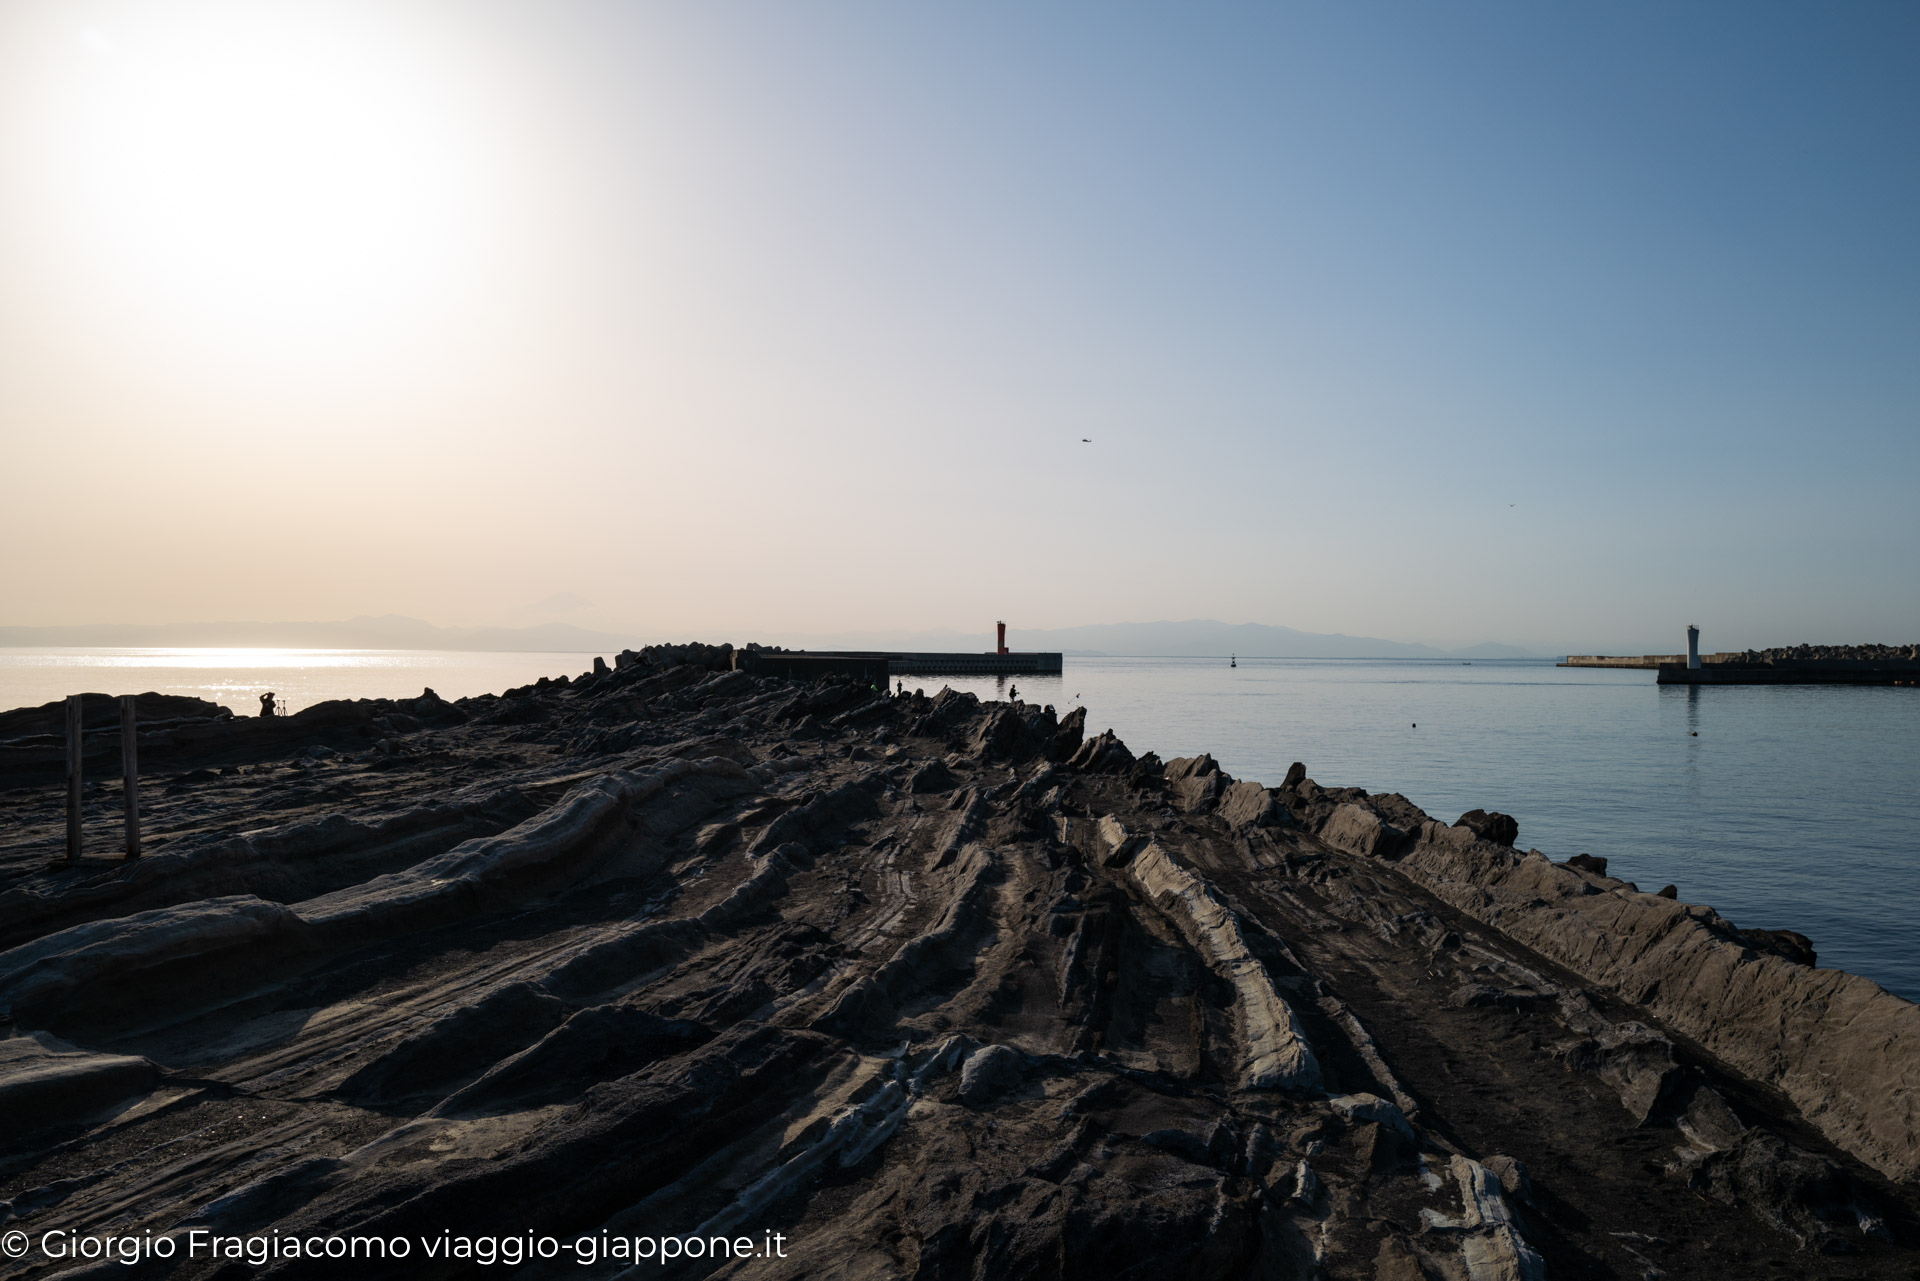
(267, 174)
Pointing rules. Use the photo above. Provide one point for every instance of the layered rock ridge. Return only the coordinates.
(929, 986)
(1844, 1049)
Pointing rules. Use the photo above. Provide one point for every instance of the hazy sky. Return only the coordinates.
(1559, 325)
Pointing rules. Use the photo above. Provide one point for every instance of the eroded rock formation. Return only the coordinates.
(930, 986)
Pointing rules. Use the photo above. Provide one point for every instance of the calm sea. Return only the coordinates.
(1782, 807)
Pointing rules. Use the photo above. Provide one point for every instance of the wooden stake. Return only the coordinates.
(73, 777)
(130, 773)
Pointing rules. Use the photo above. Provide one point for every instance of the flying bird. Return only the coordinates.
(1086, 440)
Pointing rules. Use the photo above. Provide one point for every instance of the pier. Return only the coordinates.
(806, 664)
(880, 664)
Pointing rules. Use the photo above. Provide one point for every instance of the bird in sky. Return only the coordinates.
(1086, 440)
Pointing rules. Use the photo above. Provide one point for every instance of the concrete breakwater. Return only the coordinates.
(928, 985)
(1810, 671)
(1805, 665)
(1789, 665)
(881, 664)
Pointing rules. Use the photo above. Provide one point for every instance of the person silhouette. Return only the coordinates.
(266, 704)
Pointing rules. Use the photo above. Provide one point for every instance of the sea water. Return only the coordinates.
(1790, 807)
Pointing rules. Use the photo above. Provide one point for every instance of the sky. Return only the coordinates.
(1562, 326)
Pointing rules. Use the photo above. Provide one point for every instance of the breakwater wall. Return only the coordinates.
(1786, 665)
(1829, 671)
(878, 664)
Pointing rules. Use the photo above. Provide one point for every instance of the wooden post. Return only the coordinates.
(130, 773)
(73, 777)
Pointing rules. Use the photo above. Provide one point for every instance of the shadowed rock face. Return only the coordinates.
(931, 987)
(1501, 829)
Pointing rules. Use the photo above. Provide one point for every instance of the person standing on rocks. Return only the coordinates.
(266, 704)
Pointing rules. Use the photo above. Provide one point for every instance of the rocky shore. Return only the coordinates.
(928, 986)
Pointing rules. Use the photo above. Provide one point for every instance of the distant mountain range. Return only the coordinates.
(1199, 638)
(1196, 638)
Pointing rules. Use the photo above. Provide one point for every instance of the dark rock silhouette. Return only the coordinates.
(102, 712)
(1501, 829)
